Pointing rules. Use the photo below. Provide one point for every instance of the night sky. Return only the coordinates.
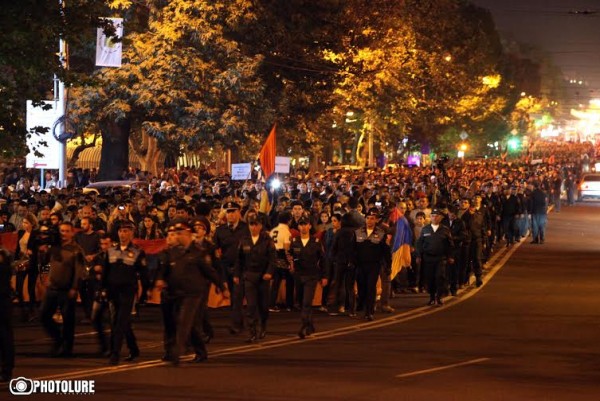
(573, 40)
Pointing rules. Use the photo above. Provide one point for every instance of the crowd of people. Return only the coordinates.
(420, 229)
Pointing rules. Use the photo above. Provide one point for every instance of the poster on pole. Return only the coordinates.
(241, 171)
(44, 143)
(282, 164)
(109, 51)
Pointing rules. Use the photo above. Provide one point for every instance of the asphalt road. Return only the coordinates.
(532, 332)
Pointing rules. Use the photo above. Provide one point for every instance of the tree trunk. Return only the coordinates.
(114, 158)
(147, 153)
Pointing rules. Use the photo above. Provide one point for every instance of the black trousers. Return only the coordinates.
(307, 286)
(97, 317)
(366, 281)
(257, 300)
(182, 320)
(278, 277)
(7, 342)
(32, 275)
(121, 303)
(237, 300)
(53, 300)
(434, 270)
(475, 255)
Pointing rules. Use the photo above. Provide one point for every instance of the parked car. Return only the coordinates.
(589, 187)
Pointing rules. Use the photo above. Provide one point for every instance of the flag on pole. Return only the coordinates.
(109, 51)
(267, 154)
(401, 246)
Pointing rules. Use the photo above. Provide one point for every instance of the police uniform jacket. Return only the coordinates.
(435, 245)
(370, 250)
(121, 267)
(258, 258)
(228, 240)
(309, 259)
(188, 271)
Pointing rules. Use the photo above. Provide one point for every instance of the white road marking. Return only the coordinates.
(440, 368)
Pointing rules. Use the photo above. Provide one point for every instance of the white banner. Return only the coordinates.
(282, 164)
(108, 52)
(241, 171)
(38, 117)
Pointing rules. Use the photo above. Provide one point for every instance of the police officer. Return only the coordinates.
(7, 345)
(227, 240)
(186, 272)
(371, 254)
(66, 268)
(434, 248)
(308, 265)
(478, 229)
(123, 263)
(255, 264)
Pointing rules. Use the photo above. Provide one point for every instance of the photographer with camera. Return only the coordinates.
(66, 268)
(122, 265)
(7, 345)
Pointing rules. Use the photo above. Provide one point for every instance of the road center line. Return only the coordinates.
(440, 368)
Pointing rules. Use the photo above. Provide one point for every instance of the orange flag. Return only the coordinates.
(267, 154)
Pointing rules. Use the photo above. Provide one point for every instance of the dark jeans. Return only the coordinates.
(257, 300)
(97, 317)
(7, 344)
(86, 293)
(509, 228)
(278, 277)
(53, 300)
(344, 279)
(539, 221)
(121, 303)
(307, 286)
(475, 252)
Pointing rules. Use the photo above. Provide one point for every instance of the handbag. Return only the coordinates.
(20, 265)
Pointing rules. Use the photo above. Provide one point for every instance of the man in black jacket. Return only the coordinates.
(539, 213)
(308, 260)
(7, 345)
(477, 229)
(227, 240)
(66, 268)
(435, 247)
(371, 253)
(459, 235)
(255, 264)
(511, 207)
(186, 271)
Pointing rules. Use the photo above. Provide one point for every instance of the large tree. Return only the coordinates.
(184, 82)
(29, 57)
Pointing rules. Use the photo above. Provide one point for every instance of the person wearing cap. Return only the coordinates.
(371, 253)
(186, 271)
(122, 266)
(307, 259)
(434, 249)
(227, 240)
(254, 266)
(201, 227)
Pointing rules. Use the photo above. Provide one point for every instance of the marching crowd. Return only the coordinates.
(345, 231)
